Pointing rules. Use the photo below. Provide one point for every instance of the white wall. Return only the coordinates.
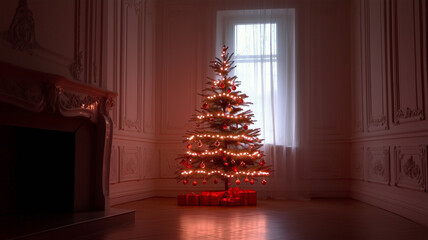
(389, 105)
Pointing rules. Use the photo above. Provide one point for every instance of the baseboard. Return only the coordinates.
(399, 203)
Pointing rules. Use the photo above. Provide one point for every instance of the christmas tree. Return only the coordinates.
(223, 146)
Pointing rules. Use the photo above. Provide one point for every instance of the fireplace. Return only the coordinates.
(38, 166)
(55, 143)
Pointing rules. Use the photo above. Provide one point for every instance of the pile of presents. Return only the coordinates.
(233, 197)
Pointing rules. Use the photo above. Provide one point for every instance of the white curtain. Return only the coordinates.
(263, 41)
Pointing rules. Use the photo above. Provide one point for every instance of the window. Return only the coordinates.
(263, 43)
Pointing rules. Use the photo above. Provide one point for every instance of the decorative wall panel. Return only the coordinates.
(406, 27)
(378, 164)
(130, 159)
(410, 167)
(179, 69)
(131, 66)
(375, 72)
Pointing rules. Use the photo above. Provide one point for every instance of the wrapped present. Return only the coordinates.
(190, 199)
(211, 198)
(230, 202)
(247, 197)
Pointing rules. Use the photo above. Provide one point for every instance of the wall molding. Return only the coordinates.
(87, 63)
(375, 81)
(131, 78)
(404, 38)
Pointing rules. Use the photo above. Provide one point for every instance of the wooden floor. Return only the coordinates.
(343, 219)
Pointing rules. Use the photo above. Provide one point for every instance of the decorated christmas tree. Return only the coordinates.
(223, 146)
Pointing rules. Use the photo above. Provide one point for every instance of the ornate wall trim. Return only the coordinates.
(410, 167)
(21, 33)
(137, 5)
(378, 164)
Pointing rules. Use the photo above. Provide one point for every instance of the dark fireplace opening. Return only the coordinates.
(39, 170)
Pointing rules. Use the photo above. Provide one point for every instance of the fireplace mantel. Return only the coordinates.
(42, 92)
(39, 100)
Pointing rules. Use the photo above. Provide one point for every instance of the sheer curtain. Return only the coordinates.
(263, 41)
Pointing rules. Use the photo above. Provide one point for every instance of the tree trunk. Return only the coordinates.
(226, 183)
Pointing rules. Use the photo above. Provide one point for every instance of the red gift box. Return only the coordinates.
(190, 199)
(230, 202)
(211, 198)
(247, 197)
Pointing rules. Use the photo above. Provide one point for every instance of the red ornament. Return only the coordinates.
(245, 127)
(251, 181)
(228, 90)
(184, 162)
(264, 182)
(202, 165)
(226, 164)
(215, 181)
(251, 146)
(224, 158)
(224, 126)
(222, 85)
(237, 182)
(185, 181)
(233, 88)
(195, 183)
(217, 143)
(234, 168)
(240, 100)
(189, 146)
(189, 166)
(205, 105)
(262, 162)
(204, 181)
(246, 180)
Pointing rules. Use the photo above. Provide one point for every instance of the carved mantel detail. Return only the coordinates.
(42, 92)
(21, 33)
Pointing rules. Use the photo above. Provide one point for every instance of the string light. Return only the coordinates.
(235, 137)
(222, 173)
(241, 154)
(222, 115)
(224, 95)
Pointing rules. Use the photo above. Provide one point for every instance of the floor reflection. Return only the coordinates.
(224, 225)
